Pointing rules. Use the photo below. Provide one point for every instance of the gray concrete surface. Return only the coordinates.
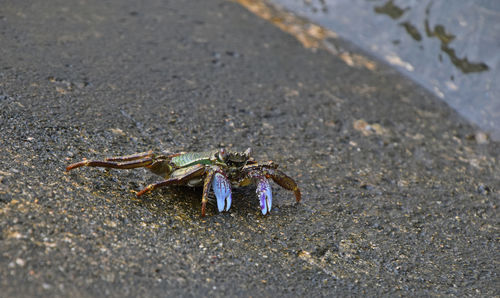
(400, 194)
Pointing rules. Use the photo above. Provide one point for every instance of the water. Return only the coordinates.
(451, 47)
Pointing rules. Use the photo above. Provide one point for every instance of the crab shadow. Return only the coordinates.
(187, 200)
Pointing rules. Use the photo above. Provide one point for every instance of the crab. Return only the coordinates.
(218, 169)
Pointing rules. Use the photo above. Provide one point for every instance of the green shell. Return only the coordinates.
(193, 158)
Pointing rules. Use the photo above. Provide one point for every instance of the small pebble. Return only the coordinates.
(46, 286)
(20, 262)
(481, 137)
(483, 189)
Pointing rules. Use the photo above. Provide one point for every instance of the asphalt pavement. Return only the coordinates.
(400, 194)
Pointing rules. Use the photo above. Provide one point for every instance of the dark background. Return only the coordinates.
(400, 194)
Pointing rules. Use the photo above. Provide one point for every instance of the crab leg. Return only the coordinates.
(137, 163)
(222, 189)
(131, 157)
(190, 173)
(269, 170)
(284, 181)
(142, 155)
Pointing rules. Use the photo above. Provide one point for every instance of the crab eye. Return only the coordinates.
(248, 153)
(222, 154)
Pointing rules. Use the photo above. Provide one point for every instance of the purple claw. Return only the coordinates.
(222, 190)
(265, 195)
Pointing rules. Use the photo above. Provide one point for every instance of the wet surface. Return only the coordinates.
(400, 194)
(449, 47)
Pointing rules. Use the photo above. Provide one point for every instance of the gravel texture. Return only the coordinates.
(400, 194)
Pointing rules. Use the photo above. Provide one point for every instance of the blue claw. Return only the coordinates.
(222, 190)
(265, 195)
